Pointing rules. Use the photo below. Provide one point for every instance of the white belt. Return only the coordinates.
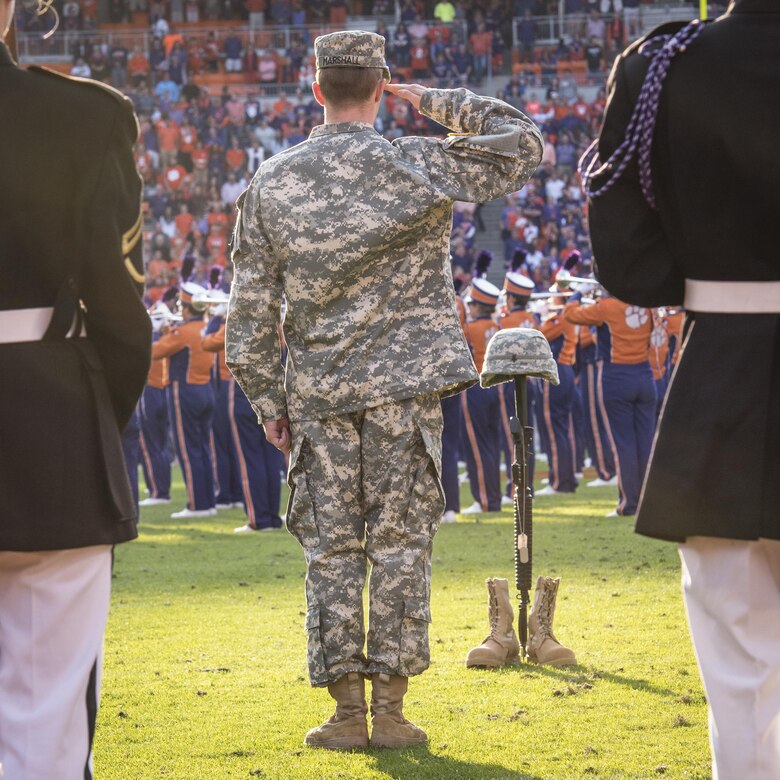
(29, 325)
(732, 297)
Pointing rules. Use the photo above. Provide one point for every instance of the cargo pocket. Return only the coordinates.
(414, 654)
(301, 519)
(427, 501)
(315, 655)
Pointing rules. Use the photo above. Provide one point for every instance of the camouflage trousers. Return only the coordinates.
(366, 489)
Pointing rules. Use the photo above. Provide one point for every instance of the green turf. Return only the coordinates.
(205, 658)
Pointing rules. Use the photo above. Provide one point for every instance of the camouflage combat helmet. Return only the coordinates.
(518, 352)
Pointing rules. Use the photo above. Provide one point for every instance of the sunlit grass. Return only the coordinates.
(205, 658)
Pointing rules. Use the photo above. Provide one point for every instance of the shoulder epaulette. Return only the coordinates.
(667, 28)
(97, 86)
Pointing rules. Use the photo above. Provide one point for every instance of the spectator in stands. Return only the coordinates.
(462, 63)
(71, 16)
(138, 66)
(267, 66)
(158, 62)
(191, 12)
(526, 37)
(118, 58)
(400, 46)
(281, 12)
(594, 56)
(177, 65)
(81, 69)
(631, 18)
(444, 11)
(481, 42)
(337, 12)
(418, 28)
(595, 27)
(234, 51)
(418, 59)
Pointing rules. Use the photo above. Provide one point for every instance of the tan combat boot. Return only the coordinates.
(389, 727)
(501, 647)
(346, 728)
(543, 647)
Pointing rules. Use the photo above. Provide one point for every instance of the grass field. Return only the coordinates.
(205, 659)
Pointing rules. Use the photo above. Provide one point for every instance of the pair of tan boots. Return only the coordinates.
(347, 727)
(501, 646)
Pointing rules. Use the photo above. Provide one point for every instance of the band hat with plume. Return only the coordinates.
(351, 49)
(190, 290)
(482, 291)
(517, 284)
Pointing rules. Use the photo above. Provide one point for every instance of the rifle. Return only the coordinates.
(522, 438)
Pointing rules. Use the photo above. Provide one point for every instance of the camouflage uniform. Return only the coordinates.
(354, 232)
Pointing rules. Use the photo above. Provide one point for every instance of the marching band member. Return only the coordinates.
(190, 403)
(153, 413)
(628, 391)
(518, 294)
(597, 441)
(225, 460)
(556, 403)
(659, 354)
(481, 406)
(259, 463)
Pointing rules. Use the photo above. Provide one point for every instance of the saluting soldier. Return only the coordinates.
(353, 231)
(74, 353)
(693, 223)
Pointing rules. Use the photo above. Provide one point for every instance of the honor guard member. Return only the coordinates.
(452, 427)
(555, 403)
(332, 224)
(191, 403)
(627, 386)
(481, 407)
(153, 411)
(695, 224)
(230, 493)
(259, 463)
(74, 353)
(597, 440)
(518, 289)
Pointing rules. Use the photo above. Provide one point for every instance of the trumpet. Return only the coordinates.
(162, 316)
(203, 300)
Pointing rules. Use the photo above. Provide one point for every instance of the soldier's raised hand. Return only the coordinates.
(410, 92)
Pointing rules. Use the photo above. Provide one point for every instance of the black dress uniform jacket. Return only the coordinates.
(715, 468)
(69, 231)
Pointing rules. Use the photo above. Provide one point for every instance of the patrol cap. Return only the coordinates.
(482, 291)
(351, 49)
(517, 352)
(517, 284)
(189, 290)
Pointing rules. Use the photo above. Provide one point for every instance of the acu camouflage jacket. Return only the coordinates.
(353, 231)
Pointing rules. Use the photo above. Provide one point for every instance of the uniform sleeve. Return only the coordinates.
(632, 256)
(112, 272)
(215, 342)
(168, 345)
(552, 328)
(584, 315)
(252, 348)
(493, 149)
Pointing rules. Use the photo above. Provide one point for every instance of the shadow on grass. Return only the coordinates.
(419, 762)
(579, 674)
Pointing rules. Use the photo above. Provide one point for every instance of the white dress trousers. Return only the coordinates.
(53, 610)
(732, 596)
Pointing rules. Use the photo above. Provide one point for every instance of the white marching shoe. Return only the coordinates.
(188, 513)
(546, 491)
(449, 517)
(474, 509)
(154, 501)
(506, 501)
(599, 482)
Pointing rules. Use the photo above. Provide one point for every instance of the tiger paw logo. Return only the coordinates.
(636, 316)
(658, 337)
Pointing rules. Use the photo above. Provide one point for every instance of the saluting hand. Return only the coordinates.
(410, 92)
(278, 433)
